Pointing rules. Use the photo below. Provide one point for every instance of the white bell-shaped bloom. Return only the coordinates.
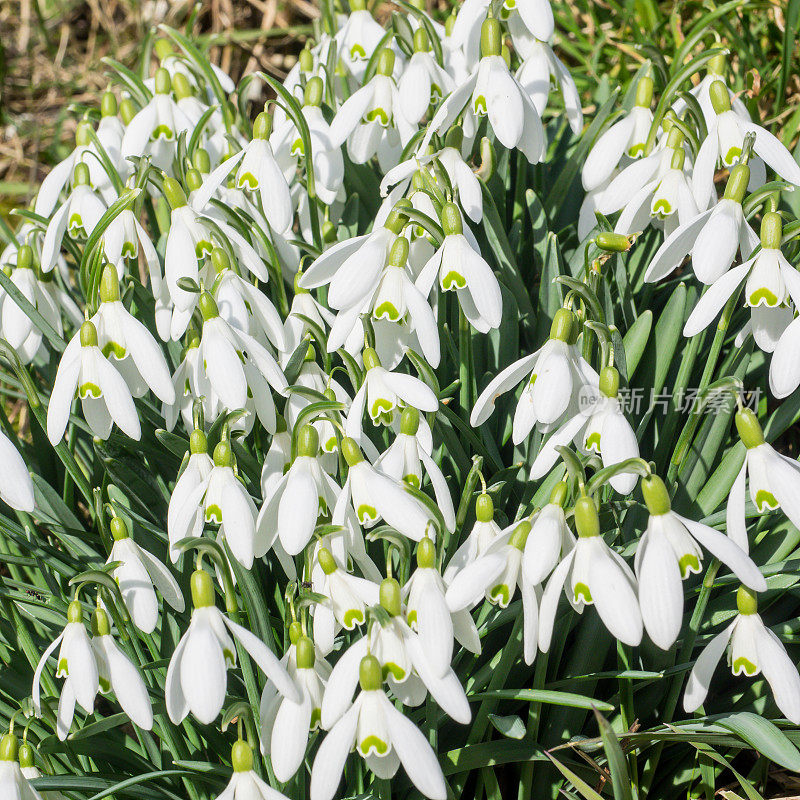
(139, 574)
(285, 724)
(16, 486)
(78, 215)
(124, 239)
(423, 82)
(554, 377)
(668, 552)
(725, 142)
(105, 397)
(773, 480)
(784, 370)
(408, 456)
(624, 139)
(492, 91)
(599, 427)
(458, 267)
(295, 327)
(14, 783)
(499, 570)
(593, 574)
(304, 494)
(277, 459)
(155, 129)
(752, 649)
(197, 675)
(382, 736)
(223, 500)
(712, 238)
(550, 538)
(245, 783)
(357, 39)
(482, 534)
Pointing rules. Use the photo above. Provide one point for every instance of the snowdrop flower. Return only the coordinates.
(13, 782)
(139, 574)
(725, 143)
(628, 137)
(277, 459)
(29, 769)
(556, 373)
(286, 725)
(371, 120)
(770, 281)
(405, 458)
(197, 674)
(16, 486)
(258, 172)
(491, 90)
(78, 215)
(346, 598)
(375, 496)
(499, 570)
(668, 552)
(234, 362)
(105, 397)
(358, 38)
(382, 736)
(176, 64)
(593, 574)
(774, 480)
(117, 673)
(224, 501)
(752, 649)
(124, 239)
(423, 82)
(600, 427)
(550, 538)
(245, 783)
(713, 237)
(300, 497)
(702, 92)
(129, 345)
(483, 533)
(303, 305)
(462, 269)
(155, 129)
(382, 393)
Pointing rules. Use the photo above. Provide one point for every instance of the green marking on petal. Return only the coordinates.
(501, 594)
(593, 442)
(331, 445)
(636, 150)
(202, 248)
(297, 147)
(380, 408)
(105, 686)
(89, 390)
(387, 310)
(766, 500)
(763, 294)
(247, 181)
(357, 51)
(479, 106)
(581, 593)
(353, 617)
(214, 514)
(129, 250)
(378, 115)
(366, 513)
(373, 743)
(112, 348)
(412, 480)
(662, 207)
(62, 669)
(230, 657)
(76, 225)
(316, 716)
(689, 563)
(732, 155)
(412, 617)
(398, 673)
(162, 132)
(453, 280)
(744, 665)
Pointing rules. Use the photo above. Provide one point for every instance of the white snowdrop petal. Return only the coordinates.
(703, 670)
(332, 755)
(660, 590)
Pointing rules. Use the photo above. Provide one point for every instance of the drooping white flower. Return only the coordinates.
(668, 552)
(752, 649)
(482, 534)
(197, 675)
(599, 427)
(554, 376)
(624, 139)
(16, 486)
(28, 768)
(460, 268)
(105, 397)
(382, 736)
(358, 38)
(712, 238)
(245, 783)
(773, 480)
(139, 574)
(550, 538)
(423, 82)
(725, 142)
(593, 574)
(13, 781)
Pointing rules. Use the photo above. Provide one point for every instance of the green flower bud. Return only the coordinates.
(520, 535)
(181, 86)
(223, 455)
(454, 137)
(127, 110)
(426, 554)
(241, 756)
(716, 66)
(491, 38)
(564, 326)
(83, 133)
(315, 91)
(449, 24)
(656, 496)
(612, 242)
(25, 257)
(370, 675)
(358, 5)
(75, 612)
(295, 632)
(202, 160)
(100, 624)
(452, 224)
(385, 62)
(119, 530)
(9, 746)
(409, 421)
(351, 452)
(194, 180)
(326, 561)
(736, 188)
(174, 193)
(749, 428)
(771, 231)
(108, 106)
(308, 441)
(80, 175)
(398, 252)
(202, 589)
(678, 159)
(306, 655)
(390, 596)
(422, 43)
(220, 260)
(198, 442)
(609, 381)
(306, 59)
(675, 138)
(397, 220)
(644, 92)
(559, 494)
(586, 519)
(88, 334)
(370, 358)
(746, 601)
(262, 127)
(26, 755)
(163, 48)
(208, 306)
(328, 235)
(163, 81)
(720, 99)
(484, 508)
(109, 285)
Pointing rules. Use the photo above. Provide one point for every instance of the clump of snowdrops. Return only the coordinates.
(384, 441)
